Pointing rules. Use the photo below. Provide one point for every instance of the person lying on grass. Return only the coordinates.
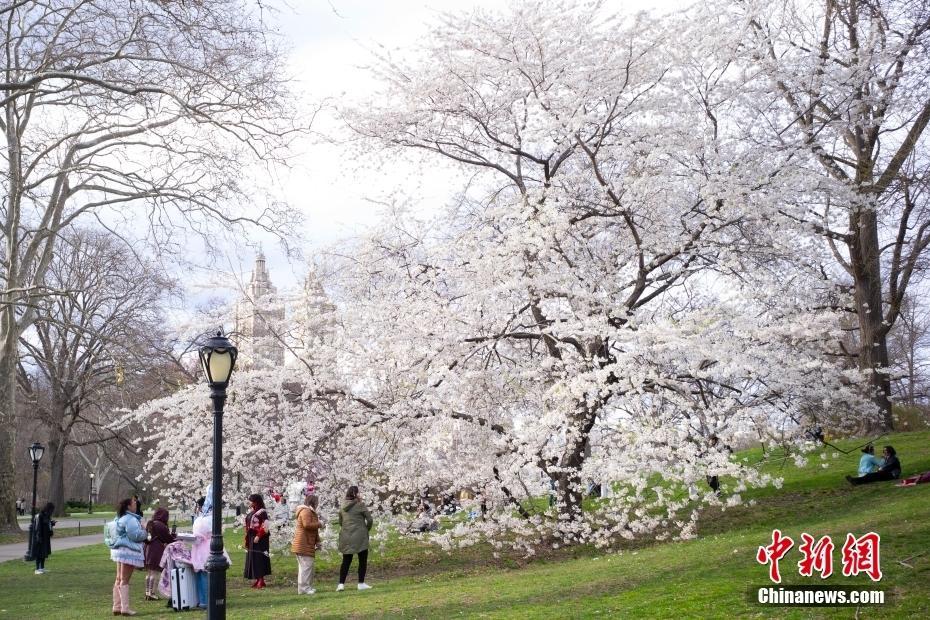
(890, 469)
(923, 478)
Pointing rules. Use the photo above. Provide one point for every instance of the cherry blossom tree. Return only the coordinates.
(843, 85)
(608, 178)
(613, 299)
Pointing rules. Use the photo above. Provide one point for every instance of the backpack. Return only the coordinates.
(109, 534)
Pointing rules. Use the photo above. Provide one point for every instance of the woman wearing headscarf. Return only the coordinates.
(257, 538)
(42, 537)
(127, 553)
(306, 537)
(356, 521)
(158, 536)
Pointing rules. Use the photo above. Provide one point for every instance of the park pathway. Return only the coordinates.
(95, 522)
(16, 551)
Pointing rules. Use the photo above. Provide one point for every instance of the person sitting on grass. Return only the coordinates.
(868, 463)
(424, 521)
(890, 469)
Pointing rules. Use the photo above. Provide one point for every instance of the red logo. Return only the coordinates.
(773, 553)
(860, 555)
(817, 556)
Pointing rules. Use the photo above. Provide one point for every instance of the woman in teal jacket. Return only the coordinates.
(127, 553)
(868, 463)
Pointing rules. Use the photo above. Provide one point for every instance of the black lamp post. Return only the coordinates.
(218, 357)
(90, 504)
(36, 451)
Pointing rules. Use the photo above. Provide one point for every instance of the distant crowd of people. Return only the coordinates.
(136, 545)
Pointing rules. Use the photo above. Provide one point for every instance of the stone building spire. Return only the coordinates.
(315, 319)
(259, 319)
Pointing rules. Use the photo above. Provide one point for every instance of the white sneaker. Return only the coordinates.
(310, 591)
(340, 587)
(364, 586)
(39, 571)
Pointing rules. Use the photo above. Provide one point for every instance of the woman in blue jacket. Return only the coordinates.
(868, 463)
(127, 553)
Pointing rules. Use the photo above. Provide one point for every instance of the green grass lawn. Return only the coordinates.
(6, 539)
(709, 577)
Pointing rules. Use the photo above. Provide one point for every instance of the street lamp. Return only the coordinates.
(36, 451)
(218, 357)
(90, 505)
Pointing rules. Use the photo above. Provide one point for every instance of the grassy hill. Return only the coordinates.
(710, 577)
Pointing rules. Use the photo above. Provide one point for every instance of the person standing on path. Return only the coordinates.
(306, 539)
(42, 537)
(127, 553)
(356, 522)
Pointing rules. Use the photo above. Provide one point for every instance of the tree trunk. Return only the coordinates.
(569, 494)
(8, 521)
(911, 368)
(56, 486)
(873, 350)
(569, 485)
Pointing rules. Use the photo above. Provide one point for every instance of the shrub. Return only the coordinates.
(907, 418)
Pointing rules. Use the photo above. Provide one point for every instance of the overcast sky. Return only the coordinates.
(331, 42)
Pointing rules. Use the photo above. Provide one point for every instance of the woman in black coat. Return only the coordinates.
(257, 559)
(42, 537)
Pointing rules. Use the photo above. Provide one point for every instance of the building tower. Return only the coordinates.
(314, 319)
(260, 321)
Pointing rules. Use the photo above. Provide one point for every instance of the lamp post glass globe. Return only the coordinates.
(36, 451)
(218, 357)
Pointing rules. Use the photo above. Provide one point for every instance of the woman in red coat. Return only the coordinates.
(257, 535)
(158, 536)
